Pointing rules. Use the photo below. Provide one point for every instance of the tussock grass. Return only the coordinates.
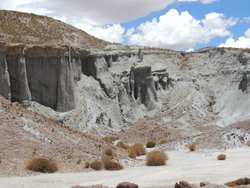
(156, 158)
(138, 149)
(110, 152)
(122, 145)
(150, 144)
(42, 165)
(221, 157)
(111, 165)
(96, 165)
(192, 147)
(110, 139)
(248, 143)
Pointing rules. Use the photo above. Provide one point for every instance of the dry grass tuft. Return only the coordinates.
(221, 157)
(110, 152)
(132, 154)
(96, 165)
(110, 139)
(192, 147)
(122, 145)
(111, 165)
(42, 165)
(138, 149)
(86, 165)
(150, 144)
(156, 158)
(238, 182)
(248, 143)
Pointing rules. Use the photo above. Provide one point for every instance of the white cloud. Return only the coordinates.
(241, 42)
(99, 11)
(180, 30)
(111, 33)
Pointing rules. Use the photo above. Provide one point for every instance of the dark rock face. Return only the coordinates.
(243, 82)
(127, 185)
(41, 74)
(142, 84)
(97, 66)
(4, 75)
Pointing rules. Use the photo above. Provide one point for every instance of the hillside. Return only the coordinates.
(25, 134)
(18, 27)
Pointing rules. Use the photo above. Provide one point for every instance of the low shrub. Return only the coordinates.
(192, 147)
(132, 154)
(110, 139)
(221, 157)
(156, 158)
(112, 165)
(150, 144)
(109, 152)
(248, 143)
(163, 141)
(86, 165)
(122, 145)
(96, 165)
(238, 182)
(139, 149)
(42, 165)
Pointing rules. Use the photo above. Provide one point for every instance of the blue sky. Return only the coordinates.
(175, 24)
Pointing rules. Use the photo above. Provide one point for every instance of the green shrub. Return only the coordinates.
(151, 144)
(156, 158)
(96, 165)
(42, 165)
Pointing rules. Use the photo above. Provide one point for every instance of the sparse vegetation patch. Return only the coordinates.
(192, 147)
(156, 158)
(96, 165)
(221, 157)
(42, 165)
(151, 144)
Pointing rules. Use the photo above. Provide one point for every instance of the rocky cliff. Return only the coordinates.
(103, 88)
(41, 74)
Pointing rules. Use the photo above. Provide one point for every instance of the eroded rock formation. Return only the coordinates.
(41, 74)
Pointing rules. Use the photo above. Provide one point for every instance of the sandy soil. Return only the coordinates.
(182, 165)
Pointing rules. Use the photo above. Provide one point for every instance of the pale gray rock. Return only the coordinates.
(4, 76)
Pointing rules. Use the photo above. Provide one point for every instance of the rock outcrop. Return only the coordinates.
(4, 75)
(142, 84)
(41, 74)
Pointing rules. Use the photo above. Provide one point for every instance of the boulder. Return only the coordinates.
(184, 184)
(126, 185)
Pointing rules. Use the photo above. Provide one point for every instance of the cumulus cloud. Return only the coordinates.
(100, 11)
(241, 42)
(111, 33)
(180, 30)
